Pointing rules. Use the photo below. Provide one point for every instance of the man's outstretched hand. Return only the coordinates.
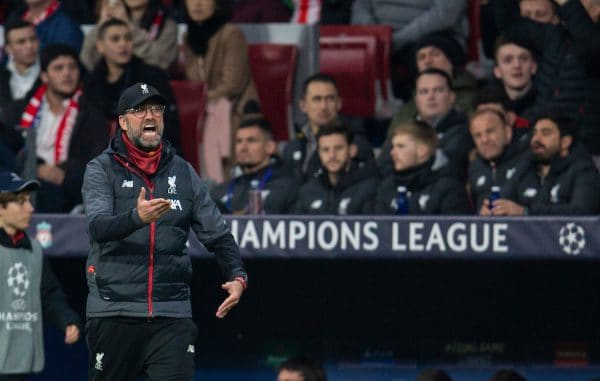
(151, 210)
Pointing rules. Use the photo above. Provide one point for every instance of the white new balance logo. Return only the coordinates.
(99, 357)
(127, 184)
(191, 349)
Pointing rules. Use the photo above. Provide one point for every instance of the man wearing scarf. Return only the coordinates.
(63, 132)
(141, 200)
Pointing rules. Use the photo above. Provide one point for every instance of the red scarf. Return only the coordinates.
(306, 11)
(53, 7)
(31, 118)
(153, 31)
(147, 162)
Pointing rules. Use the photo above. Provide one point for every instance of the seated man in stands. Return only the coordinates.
(568, 79)
(543, 11)
(514, 68)
(17, 78)
(342, 185)
(321, 103)
(435, 102)
(494, 98)
(53, 24)
(63, 131)
(256, 156)
(497, 159)
(119, 68)
(437, 52)
(430, 186)
(559, 178)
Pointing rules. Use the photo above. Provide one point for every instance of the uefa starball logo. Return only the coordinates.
(572, 238)
(18, 279)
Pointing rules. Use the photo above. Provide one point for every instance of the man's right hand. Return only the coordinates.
(151, 210)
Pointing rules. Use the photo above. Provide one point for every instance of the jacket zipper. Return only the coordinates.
(150, 186)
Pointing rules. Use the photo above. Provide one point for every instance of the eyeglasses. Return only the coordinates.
(140, 111)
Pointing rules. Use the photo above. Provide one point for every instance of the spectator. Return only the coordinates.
(411, 20)
(542, 11)
(17, 78)
(64, 130)
(321, 104)
(22, 345)
(343, 186)
(52, 24)
(260, 11)
(494, 98)
(433, 375)
(507, 375)
(300, 368)
(558, 180)
(435, 101)
(568, 79)
(154, 33)
(438, 51)
(119, 68)
(431, 189)
(215, 52)
(256, 156)
(514, 68)
(497, 159)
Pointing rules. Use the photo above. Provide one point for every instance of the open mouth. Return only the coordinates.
(149, 130)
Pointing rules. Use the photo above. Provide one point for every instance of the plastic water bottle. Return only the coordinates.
(495, 195)
(255, 198)
(401, 201)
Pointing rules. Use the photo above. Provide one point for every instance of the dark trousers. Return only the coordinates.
(124, 349)
(13, 377)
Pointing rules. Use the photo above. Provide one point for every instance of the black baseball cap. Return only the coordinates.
(137, 94)
(12, 183)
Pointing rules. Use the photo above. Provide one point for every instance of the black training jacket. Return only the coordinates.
(137, 269)
(431, 189)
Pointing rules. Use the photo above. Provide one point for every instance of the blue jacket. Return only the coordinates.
(60, 28)
(143, 270)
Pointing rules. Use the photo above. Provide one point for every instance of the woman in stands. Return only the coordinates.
(215, 52)
(154, 32)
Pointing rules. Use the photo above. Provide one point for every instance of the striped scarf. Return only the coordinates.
(31, 118)
(307, 12)
(53, 7)
(155, 26)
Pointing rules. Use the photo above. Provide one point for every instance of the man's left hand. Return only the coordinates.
(235, 289)
(71, 334)
(51, 174)
(504, 207)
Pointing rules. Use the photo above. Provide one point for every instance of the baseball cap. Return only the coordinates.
(11, 182)
(137, 94)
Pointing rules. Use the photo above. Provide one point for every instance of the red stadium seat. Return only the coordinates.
(383, 33)
(352, 61)
(191, 104)
(273, 68)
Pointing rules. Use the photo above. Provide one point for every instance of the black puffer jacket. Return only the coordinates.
(353, 194)
(137, 269)
(567, 78)
(454, 140)
(570, 188)
(483, 174)
(431, 189)
(279, 190)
